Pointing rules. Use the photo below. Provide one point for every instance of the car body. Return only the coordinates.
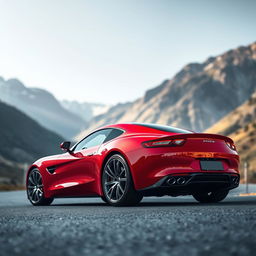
(160, 160)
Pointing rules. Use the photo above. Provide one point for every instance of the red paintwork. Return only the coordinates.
(80, 174)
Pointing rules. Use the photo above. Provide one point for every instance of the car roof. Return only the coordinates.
(146, 128)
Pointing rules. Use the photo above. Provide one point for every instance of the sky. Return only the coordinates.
(110, 51)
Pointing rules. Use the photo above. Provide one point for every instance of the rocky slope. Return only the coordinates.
(240, 125)
(42, 106)
(197, 96)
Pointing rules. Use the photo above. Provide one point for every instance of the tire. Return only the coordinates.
(117, 183)
(35, 189)
(211, 197)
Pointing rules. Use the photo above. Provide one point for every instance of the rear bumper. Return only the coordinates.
(186, 184)
(157, 163)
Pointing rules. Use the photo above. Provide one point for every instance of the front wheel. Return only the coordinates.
(35, 189)
(117, 183)
(211, 197)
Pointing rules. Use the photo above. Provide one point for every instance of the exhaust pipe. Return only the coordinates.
(235, 180)
(181, 181)
(171, 181)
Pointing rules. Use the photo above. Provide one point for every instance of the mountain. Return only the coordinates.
(22, 140)
(85, 110)
(42, 106)
(240, 125)
(197, 96)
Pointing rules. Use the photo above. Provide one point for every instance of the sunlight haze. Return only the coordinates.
(113, 51)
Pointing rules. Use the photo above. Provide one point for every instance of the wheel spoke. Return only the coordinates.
(37, 194)
(34, 178)
(120, 187)
(122, 171)
(118, 168)
(110, 183)
(110, 172)
(112, 190)
(40, 190)
(117, 192)
(31, 180)
(39, 180)
(33, 194)
(114, 167)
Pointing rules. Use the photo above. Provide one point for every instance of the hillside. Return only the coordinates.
(42, 106)
(197, 96)
(22, 140)
(240, 125)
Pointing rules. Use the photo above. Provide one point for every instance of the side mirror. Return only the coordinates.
(65, 146)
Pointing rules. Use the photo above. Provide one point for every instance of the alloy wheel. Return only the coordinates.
(35, 186)
(115, 179)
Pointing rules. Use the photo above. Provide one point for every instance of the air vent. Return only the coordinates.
(51, 169)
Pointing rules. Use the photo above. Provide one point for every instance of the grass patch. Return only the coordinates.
(6, 187)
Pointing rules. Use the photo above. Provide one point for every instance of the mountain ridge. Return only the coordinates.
(42, 106)
(197, 96)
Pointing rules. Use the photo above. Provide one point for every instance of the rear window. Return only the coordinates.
(164, 128)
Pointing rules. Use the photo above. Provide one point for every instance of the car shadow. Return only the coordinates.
(230, 202)
(196, 204)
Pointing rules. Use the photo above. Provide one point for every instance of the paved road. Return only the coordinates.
(158, 226)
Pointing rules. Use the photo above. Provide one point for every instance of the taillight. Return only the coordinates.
(231, 145)
(163, 143)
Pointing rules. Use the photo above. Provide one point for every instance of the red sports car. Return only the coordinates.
(121, 163)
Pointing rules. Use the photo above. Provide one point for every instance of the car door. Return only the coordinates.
(79, 177)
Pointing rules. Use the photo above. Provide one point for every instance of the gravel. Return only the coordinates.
(162, 226)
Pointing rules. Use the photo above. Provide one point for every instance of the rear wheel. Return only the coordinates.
(211, 197)
(117, 183)
(35, 189)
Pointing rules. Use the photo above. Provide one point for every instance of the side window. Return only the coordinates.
(93, 140)
(113, 134)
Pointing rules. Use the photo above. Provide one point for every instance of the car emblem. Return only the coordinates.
(209, 141)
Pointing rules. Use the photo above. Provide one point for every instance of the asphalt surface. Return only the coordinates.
(158, 226)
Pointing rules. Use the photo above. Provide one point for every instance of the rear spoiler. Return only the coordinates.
(198, 135)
